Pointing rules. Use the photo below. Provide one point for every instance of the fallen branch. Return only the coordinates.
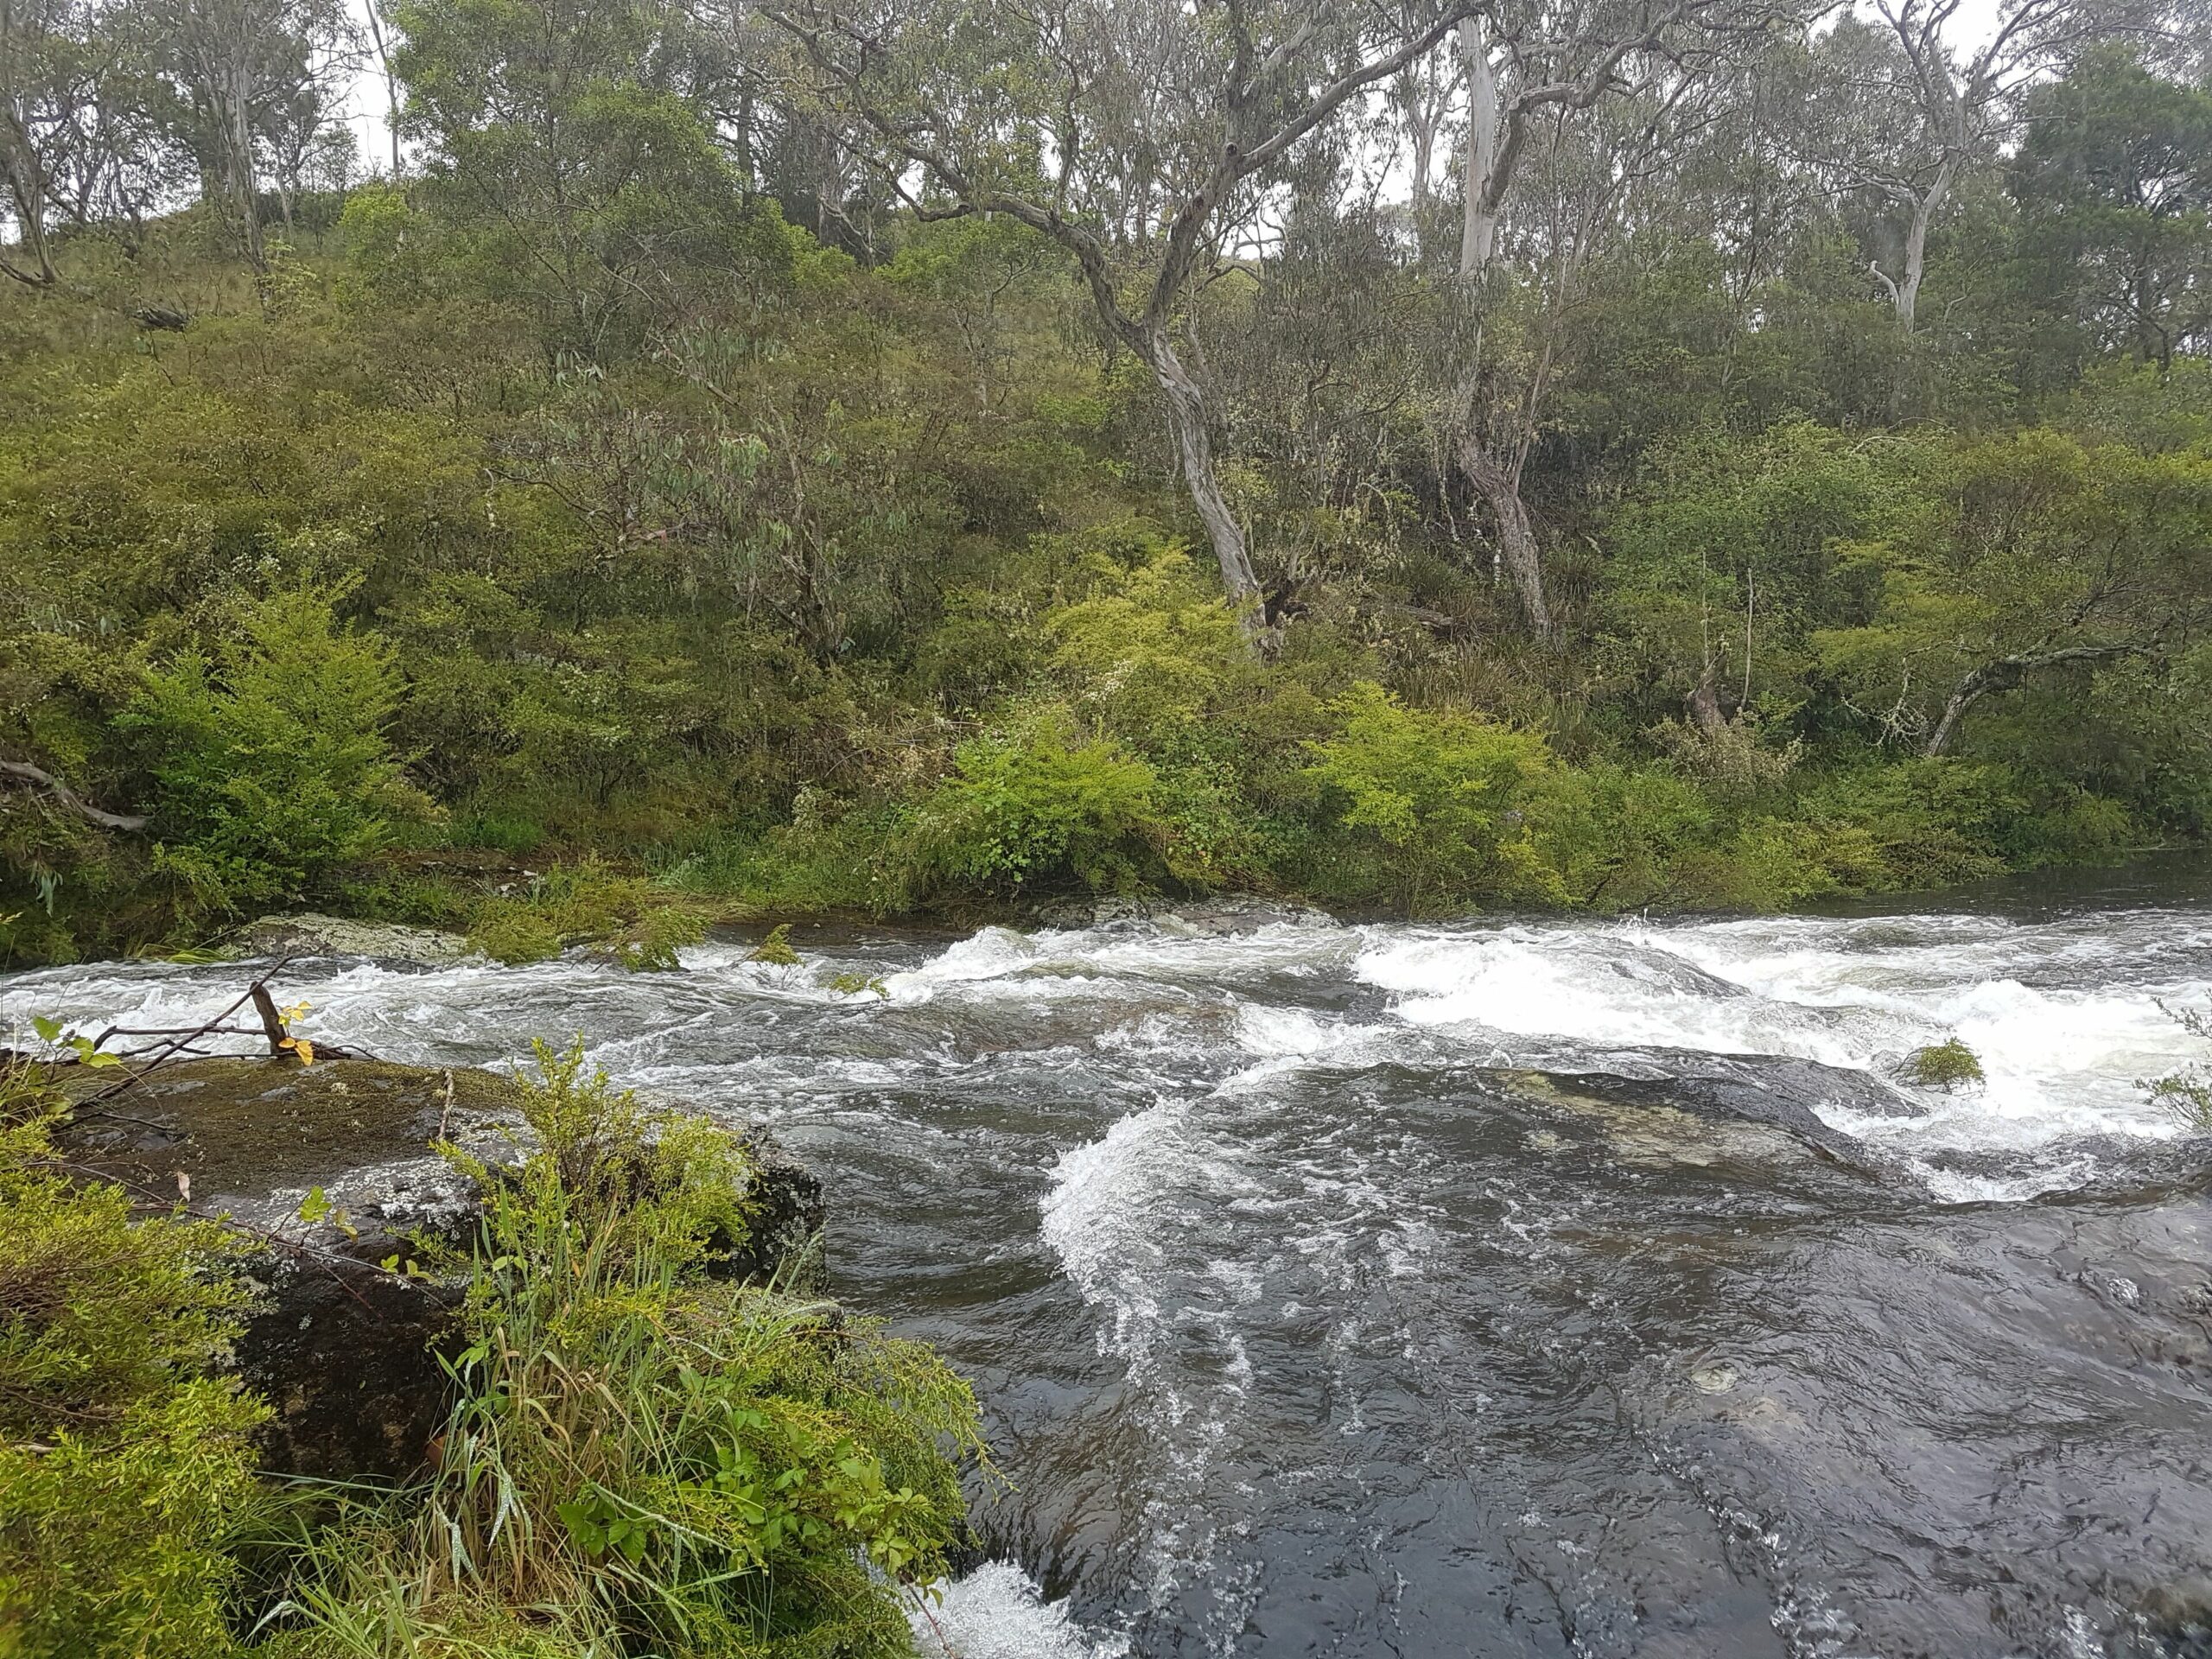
(182, 1040)
(38, 777)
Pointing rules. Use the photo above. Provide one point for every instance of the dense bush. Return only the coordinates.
(1042, 806)
(269, 753)
(1433, 802)
(126, 1465)
(646, 1457)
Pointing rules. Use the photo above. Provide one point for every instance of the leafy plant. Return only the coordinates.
(2187, 1092)
(82, 1049)
(638, 925)
(270, 753)
(126, 1464)
(1039, 807)
(1438, 795)
(1947, 1064)
(775, 951)
(644, 1456)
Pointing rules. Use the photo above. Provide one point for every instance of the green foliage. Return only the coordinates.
(125, 1462)
(623, 491)
(639, 926)
(776, 950)
(1440, 794)
(1039, 807)
(1943, 1066)
(269, 753)
(2186, 1093)
(645, 1456)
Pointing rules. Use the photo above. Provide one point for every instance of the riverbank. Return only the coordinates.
(363, 1358)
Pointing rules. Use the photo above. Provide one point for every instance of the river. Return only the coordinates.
(1500, 1289)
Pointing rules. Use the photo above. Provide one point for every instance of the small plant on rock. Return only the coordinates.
(644, 1455)
(2186, 1093)
(1947, 1064)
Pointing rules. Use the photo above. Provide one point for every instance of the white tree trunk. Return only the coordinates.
(1907, 289)
(1186, 419)
(1479, 233)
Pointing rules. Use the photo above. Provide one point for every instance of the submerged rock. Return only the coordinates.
(1229, 914)
(312, 934)
(349, 1353)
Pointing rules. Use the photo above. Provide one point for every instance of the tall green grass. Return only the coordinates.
(645, 1456)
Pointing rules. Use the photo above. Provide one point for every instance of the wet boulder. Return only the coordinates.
(1229, 915)
(311, 934)
(330, 1167)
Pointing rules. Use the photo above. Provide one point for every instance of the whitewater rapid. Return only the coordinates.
(1389, 1288)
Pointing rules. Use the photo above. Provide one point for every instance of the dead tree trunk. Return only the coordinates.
(1187, 420)
(1905, 291)
(1704, 703)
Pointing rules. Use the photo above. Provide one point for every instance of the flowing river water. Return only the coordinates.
(1498, 1289)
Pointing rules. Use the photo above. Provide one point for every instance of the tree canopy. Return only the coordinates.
(917, 454)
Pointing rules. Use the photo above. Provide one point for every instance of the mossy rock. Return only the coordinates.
(246, 1128)
(347, 1351)
(310, 933)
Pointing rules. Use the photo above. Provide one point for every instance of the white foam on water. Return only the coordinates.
(1101, 1219)
(1054, 961)
(999, 1613)
(2061, 1060)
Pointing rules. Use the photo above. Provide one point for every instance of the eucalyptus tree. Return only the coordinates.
(33, 83)
(1547, 76)
(253, 81)
(1131, 133)
(38, 96)
(569, 151)
(1915, 103)
(83, 144)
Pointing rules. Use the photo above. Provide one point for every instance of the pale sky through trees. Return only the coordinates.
(366, 104)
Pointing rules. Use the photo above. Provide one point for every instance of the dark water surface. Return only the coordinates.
(1499, 1290)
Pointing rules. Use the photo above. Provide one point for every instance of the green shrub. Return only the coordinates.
(2186, 1093)
(1945, 1064)
(1150, 649)
(776, 950)
(269, 754)
(645, 1457)
(861, 859)
(125, 1462)
(1431, 801)
(1037, 809)
(1620, 839)
(590, 902)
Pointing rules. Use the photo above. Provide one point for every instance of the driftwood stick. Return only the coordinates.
(181, 1045)
(22, 772)
(272, 1023)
